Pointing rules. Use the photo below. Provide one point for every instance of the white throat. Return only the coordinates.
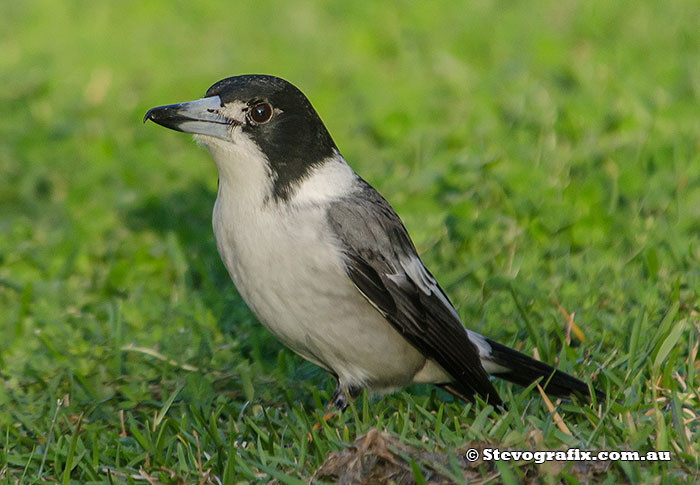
(245, 177)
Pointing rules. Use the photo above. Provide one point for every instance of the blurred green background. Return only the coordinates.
(537, 152)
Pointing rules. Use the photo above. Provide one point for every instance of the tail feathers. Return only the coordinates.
(524, 370)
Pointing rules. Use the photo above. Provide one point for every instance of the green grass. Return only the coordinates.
(538, 153)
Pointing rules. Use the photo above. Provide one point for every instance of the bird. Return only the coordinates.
(325, 263)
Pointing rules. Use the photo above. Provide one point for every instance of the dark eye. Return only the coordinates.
(261, 113)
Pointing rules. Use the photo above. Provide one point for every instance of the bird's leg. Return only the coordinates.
(342, 396)
(340, 400)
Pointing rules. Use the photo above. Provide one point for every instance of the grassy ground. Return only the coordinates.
(540, 154)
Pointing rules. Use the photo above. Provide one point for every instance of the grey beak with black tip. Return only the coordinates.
(200, 117)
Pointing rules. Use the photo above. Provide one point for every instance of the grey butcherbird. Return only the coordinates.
(323, 260)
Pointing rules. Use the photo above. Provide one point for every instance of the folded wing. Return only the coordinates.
(383, 264)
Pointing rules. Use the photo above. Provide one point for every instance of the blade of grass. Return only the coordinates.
(59, 403)
(164, 410)
(669, 343)
(530, 327)
(71, 451)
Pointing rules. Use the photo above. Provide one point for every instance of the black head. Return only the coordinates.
(270, 111)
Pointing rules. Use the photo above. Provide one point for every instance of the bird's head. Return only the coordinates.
(252, 123)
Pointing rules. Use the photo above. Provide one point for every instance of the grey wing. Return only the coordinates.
(382, 262)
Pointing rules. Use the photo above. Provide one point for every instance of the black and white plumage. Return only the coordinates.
(323, 260)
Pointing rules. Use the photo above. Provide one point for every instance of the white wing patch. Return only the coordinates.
(419, 275)
(415, 270)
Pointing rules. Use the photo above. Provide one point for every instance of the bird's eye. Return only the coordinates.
(261, 113)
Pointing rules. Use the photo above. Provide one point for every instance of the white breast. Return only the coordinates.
(288, 269)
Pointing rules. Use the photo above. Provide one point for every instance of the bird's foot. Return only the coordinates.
(342, 397)
(340, 400)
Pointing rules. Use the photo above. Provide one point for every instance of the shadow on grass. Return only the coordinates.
(186, 213)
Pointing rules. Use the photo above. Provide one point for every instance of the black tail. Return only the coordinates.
(524, 370)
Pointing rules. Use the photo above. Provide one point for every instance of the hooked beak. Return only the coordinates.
(200, 117)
